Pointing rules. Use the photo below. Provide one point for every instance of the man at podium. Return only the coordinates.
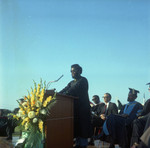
(82, 116)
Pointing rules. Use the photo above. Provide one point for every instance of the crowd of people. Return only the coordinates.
(129, 128)
(8, 123)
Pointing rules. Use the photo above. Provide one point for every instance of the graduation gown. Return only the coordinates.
(139, 124)
(118, 126)
(82, 113)
(146, 108)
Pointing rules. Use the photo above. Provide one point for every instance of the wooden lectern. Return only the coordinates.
(59, 124)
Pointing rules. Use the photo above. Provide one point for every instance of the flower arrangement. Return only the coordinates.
(33, 112)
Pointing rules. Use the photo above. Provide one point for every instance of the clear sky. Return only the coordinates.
(110, 39)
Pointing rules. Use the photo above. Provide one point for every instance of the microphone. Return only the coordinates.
(50, 82)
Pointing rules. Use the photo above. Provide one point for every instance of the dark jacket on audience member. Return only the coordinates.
(139, 124)
(112, 109)
(118, 126)
(97, 109)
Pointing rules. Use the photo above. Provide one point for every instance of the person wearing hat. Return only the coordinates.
(116, 127)
(78, 87)
(139, 124)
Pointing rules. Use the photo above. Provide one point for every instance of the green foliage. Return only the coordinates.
(34, 139)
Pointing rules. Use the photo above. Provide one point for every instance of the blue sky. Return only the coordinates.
(43, 38)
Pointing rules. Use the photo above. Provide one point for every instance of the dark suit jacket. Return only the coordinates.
(112, 109)
(97, 109)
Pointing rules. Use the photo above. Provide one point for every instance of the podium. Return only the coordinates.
(59, 124)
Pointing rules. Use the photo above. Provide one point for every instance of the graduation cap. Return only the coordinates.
(133, 91)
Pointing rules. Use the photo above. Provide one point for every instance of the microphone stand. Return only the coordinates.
(50, 82)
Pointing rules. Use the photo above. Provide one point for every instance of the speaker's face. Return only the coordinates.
(75, 73)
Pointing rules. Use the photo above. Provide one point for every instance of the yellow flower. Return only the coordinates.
(16, 117)
(38, 109)
(21, 108)
(45, 103)
(23, 112)
(49, 98)
(37, 112)
(25, 98)
(28, 110)
(26, 126)
(32, 100)
(25, 120)
(41, 125)
(29, 97)
(42, 95)
(34, 110)
(34, 90)
(38, 90)
(33, 103)
(27, 103)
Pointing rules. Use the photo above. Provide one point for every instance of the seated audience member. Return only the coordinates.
(139, 124)
(96, 111)
(96, 108)
(103, 110)
(117, 126)
(109, 108)
(5, 112)
(91, 104)
(3, 123)
(12, 123)
(145, 138)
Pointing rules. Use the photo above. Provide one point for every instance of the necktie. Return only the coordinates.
(105, 109)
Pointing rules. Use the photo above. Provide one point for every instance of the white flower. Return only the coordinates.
(38, 104)
(31, 114)
(35, 120)
(24, 104)
(43, 111)
(20, 113)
